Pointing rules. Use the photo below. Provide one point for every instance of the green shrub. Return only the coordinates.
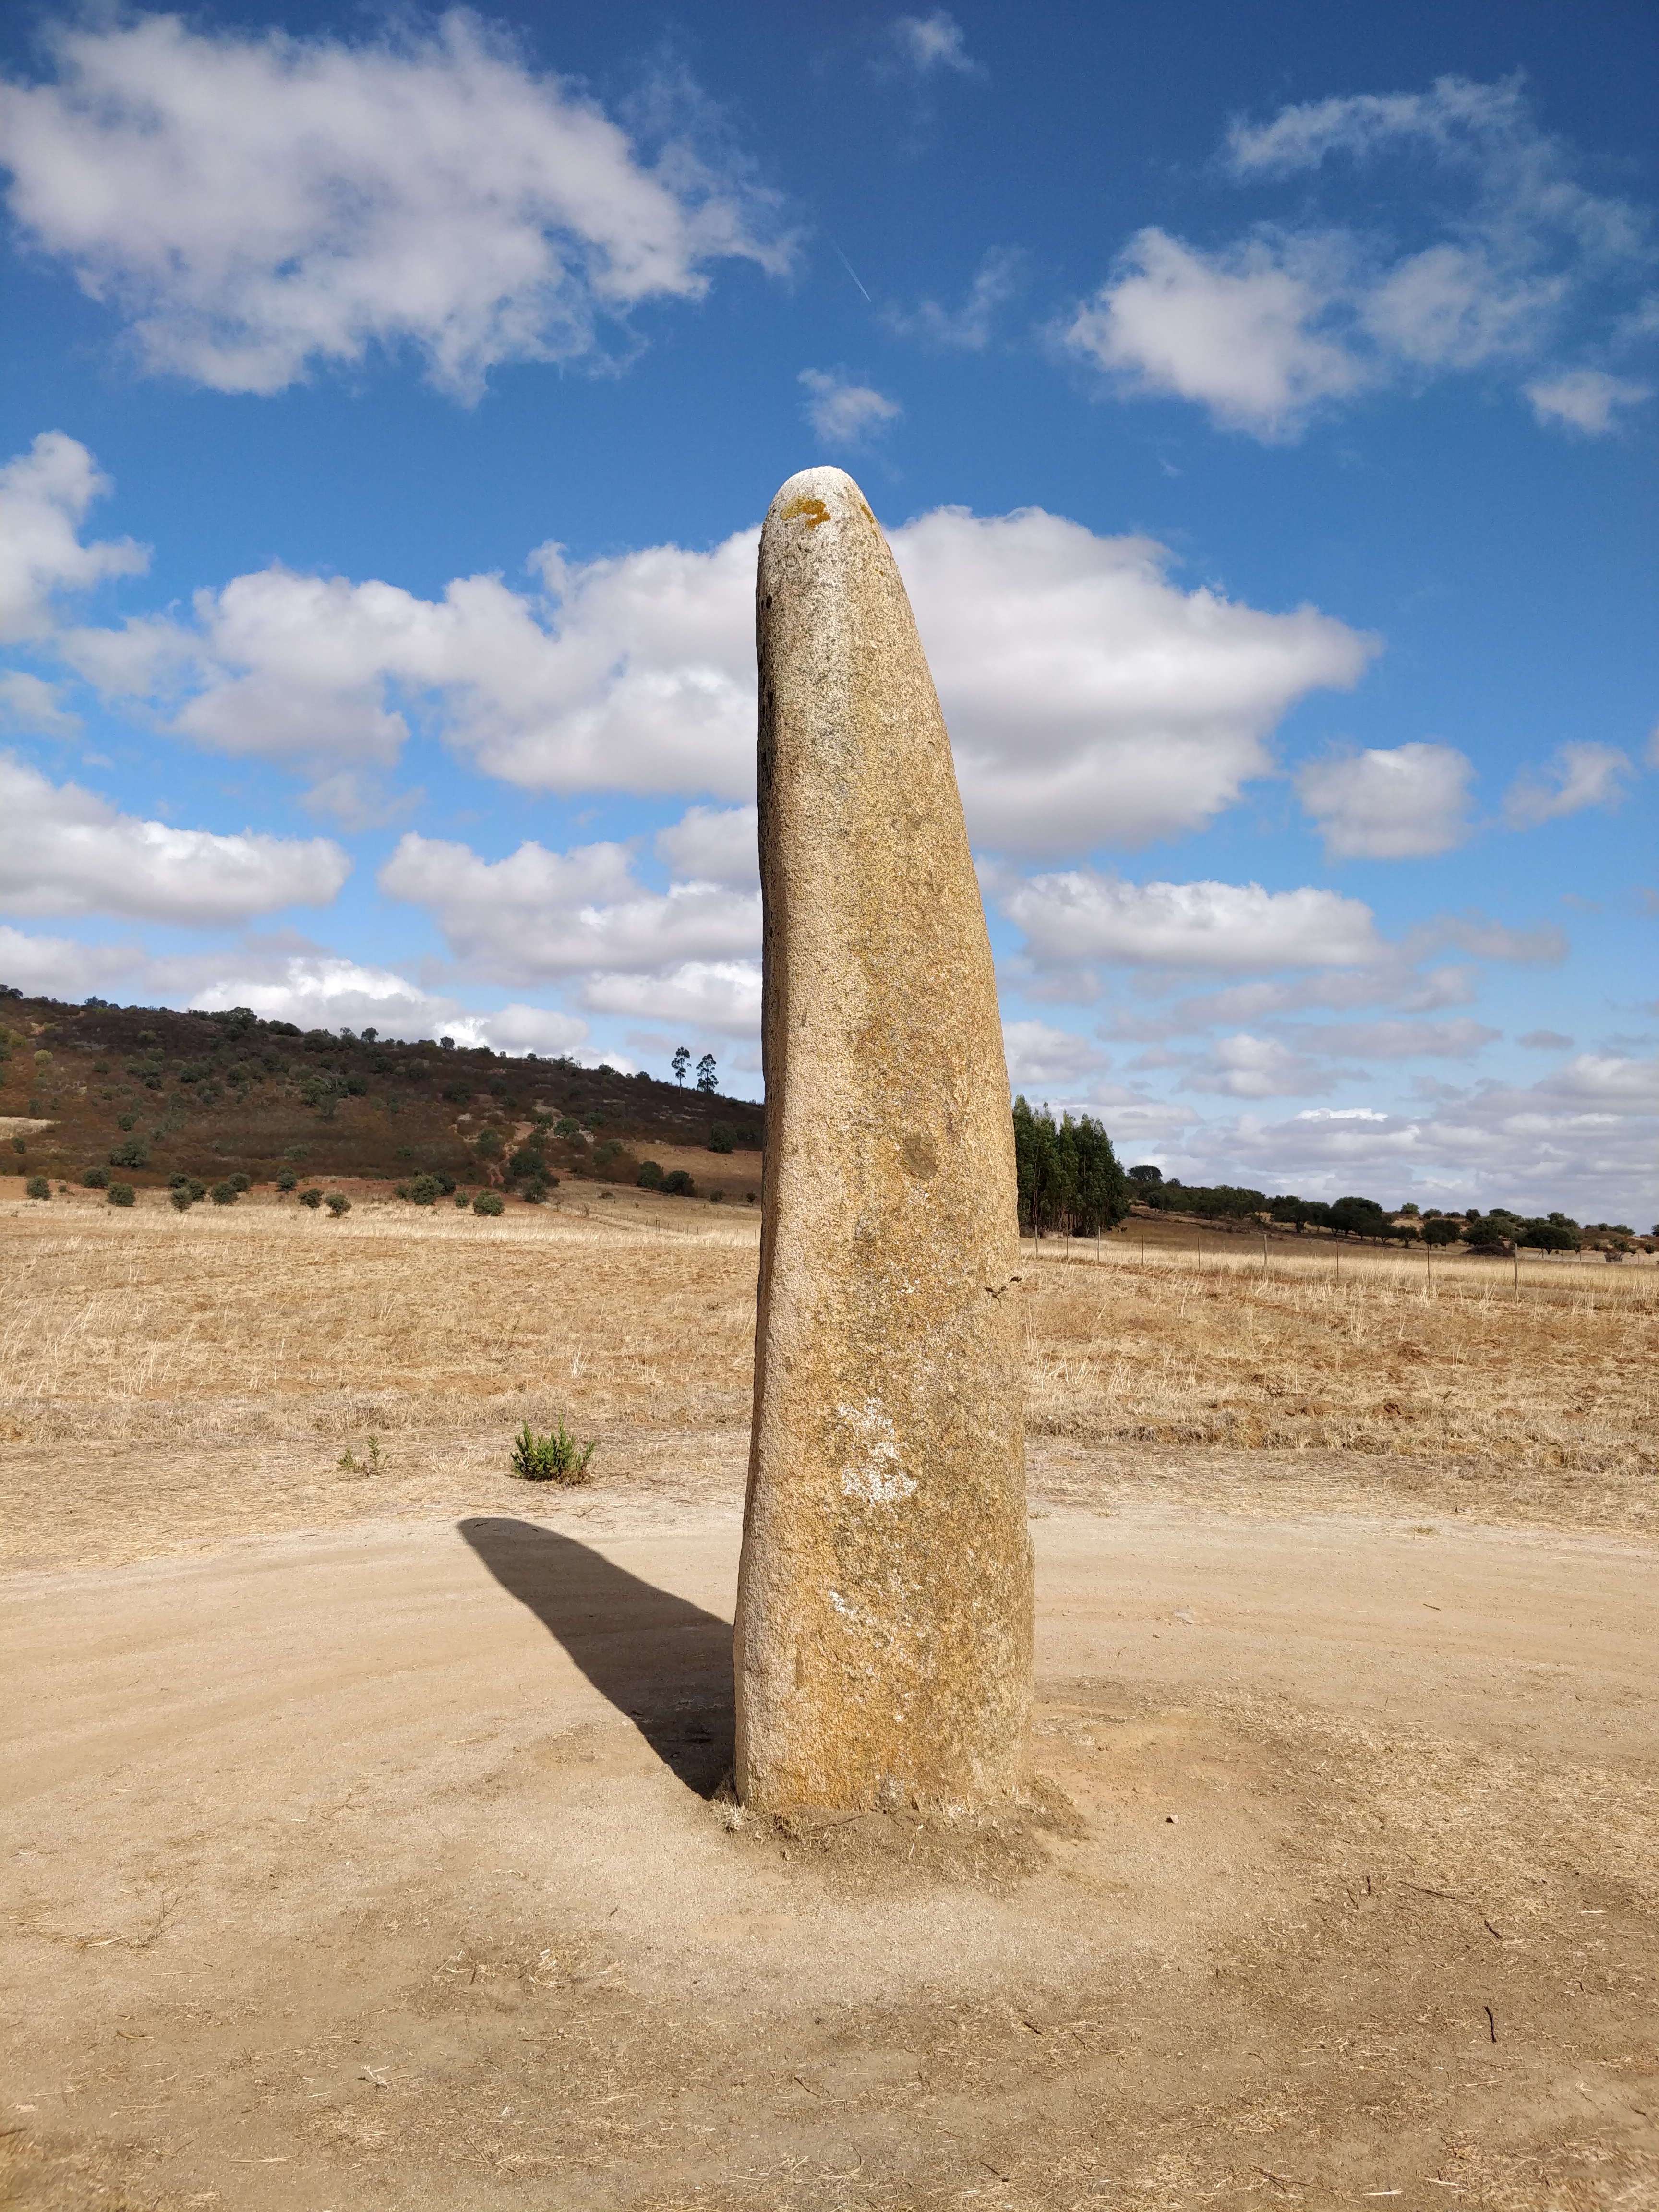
(239, 1182)
(676, 1183)
(338, 1203)
(313, 1199)
(567, 1127)
(488, 1201)
(120, 1193)
(286, 1180)
(489, 1145)
(722, 1137)
(555, 1458)
(197, 1190)
(424, 1190)
(129, 1155)
(224, 1194)
(461, 1198)
(18, 1145)
(180, 1200)
(650, 1175)
(96, 1179)
(37, 1187)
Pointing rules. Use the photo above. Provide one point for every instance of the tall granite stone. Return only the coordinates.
(883, 1626)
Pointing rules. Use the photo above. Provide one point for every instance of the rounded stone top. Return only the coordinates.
(817, 496)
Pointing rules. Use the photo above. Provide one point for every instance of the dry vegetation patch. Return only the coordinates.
(169, 1380)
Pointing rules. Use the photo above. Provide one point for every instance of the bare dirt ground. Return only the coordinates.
(368, 1835)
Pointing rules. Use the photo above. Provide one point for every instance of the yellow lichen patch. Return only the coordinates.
(812, 510)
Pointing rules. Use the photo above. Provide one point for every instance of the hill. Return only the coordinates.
(149, 1092)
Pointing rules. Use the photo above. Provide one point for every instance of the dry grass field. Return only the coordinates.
(178, 1379)
(370, 1849)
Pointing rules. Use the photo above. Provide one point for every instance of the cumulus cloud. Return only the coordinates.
(1245, 1067)
(29, 703)
(1581, 1138)
(256, 203)
(842, 412)
(45, 494)
(719, 995)
(928, 44)
(284, 980)
(1404, 803)
(1576, 776)
(714, 845)
(1237, 332)
(538, 916)
(1081, 918)
(65, 851)
(1091, 699)
(1268, 331)
(1038, 1054)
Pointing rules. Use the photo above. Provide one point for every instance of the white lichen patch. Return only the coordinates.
(872, 1471)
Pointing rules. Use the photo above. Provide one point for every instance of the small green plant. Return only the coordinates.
(18, 1145)
(488, 1201)
(566, 1128)
(129, 1155)
(555, 1458)
(239, 1183)
(462, 1200)
(338, 1203)
(313, 1199)
(95, 1179)
(722, 1137)
(424, 1190)
(120, 1193)
(676, 1183)
(371, 1465)
(489, 1145)
(38, 1187)
(650, 1175)
(224, 1194)
(286, 1180)
(180, 1200)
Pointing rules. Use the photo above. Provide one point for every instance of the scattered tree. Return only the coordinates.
(488, 1202)
(120, 1193)
(722, 1137)
(705, 1073)
(37, 1187)
(651, 1176)
(681, 1061)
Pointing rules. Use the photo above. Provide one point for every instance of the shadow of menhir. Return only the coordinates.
(662, 1660)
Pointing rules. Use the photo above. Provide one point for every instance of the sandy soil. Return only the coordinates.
(389, 1866)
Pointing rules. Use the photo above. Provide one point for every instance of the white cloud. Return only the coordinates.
(1269, 329)
(1545, 1041)
(538, 915)
(1577, 776)
(1583, 1138)
(842, 413)
(1245, 1067)
(282, 983)
(1091, 699)
(258, 204)
(1395, 1040)
(1401, 803)
(1038, 1053)
(28, 704)
(44, 497)
(1077, 919)
(65, 851)
(933, 42)
(1235, 331)
(722, 995)
(713, 845)
(1585, 399)
(968, 326)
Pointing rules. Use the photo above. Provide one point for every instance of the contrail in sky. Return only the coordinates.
(850, 271)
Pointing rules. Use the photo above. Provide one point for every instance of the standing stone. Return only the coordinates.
(883, 1625)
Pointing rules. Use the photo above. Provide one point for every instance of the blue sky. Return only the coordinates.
(1261, 406)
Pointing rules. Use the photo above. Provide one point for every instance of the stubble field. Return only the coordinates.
(372, 1843)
